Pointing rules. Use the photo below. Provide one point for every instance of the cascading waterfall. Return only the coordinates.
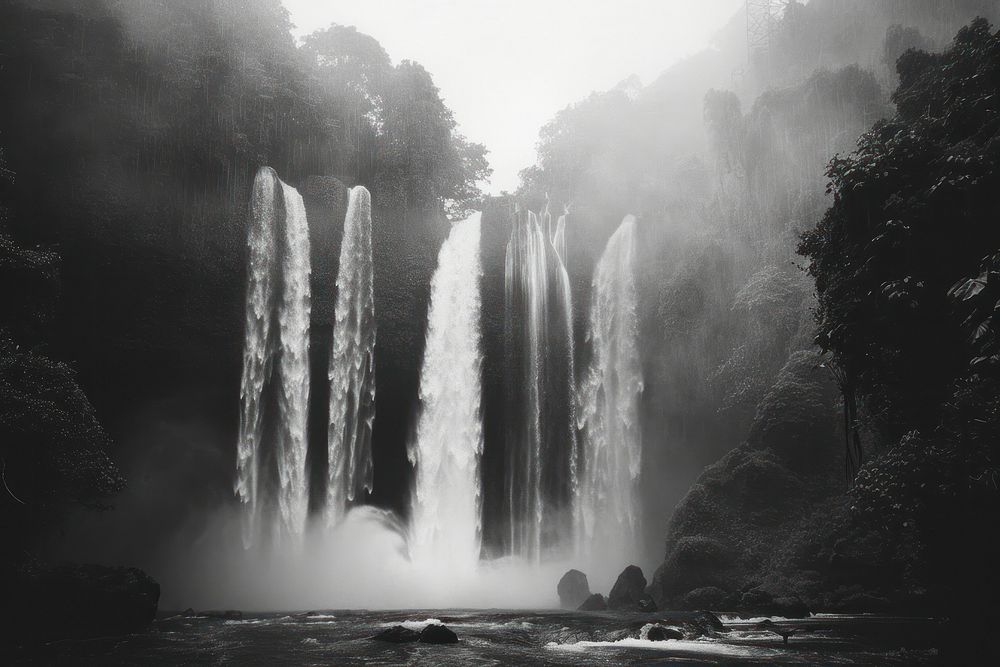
(559, 239)
(445, 528)
(540, 438)
(271, 453)
(294, 403)
(606, 504)
(352, 363)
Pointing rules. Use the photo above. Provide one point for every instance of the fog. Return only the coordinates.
(716, 147)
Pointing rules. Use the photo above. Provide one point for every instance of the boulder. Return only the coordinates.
(438, 634)
(573, 589)
(594, 603)
(709, 621)
(647, 604)
(659, 633)
(628, 590)
(397, 635)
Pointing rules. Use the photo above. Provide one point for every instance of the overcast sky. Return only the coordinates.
(505, 67)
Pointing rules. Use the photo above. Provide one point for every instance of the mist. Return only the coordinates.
(356, 310)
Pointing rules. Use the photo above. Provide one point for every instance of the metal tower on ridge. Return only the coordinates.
(762, 15)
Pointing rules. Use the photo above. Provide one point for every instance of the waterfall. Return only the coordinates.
(293, 319)
(445, 526)
(559, 239)
(274, 393)
(606, 507)
(352, 363)
(540, 440)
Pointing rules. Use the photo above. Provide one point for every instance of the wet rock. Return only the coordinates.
(595, 602)
(659, 633)
(304, 615)
(710, 621)
(397, 635)
(628, 590)
(647, 604)
(437, 634)
(781, 631)
(573, 589)
(615, 635)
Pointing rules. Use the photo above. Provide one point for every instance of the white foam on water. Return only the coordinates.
(679, 647)
(416, 625)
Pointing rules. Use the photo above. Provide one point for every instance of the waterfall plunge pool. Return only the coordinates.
(489, 637)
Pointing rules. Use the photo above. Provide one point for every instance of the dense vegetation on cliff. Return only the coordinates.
(906, 270)
(724, 183)
(53, 451)
(904, 262)
(903, 265)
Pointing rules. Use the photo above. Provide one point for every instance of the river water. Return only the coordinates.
(498, 638)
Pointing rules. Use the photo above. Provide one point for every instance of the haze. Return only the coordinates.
(505, 67)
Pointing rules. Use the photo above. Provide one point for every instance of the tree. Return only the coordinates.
(914, 209)
(422, 159)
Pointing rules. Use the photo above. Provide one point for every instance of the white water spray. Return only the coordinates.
(606, 505)
(294, 399)
(352, 363)
(445, 529)
(559, 239)
(271, 452)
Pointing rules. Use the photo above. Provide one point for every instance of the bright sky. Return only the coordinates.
(505, 67)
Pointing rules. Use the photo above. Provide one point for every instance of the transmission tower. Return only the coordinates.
(762, 17)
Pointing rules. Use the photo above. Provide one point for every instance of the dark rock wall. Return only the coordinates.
(587, 233)
(405, 246)
(325, 198)
(497, 221)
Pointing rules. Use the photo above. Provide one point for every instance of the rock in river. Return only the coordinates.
(659, 633)
(573, 589)
(397, 635)
(438, 634)
(629, 590)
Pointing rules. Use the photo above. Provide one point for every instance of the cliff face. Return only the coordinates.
(405, 246)
(325, 198)
(497, 220)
